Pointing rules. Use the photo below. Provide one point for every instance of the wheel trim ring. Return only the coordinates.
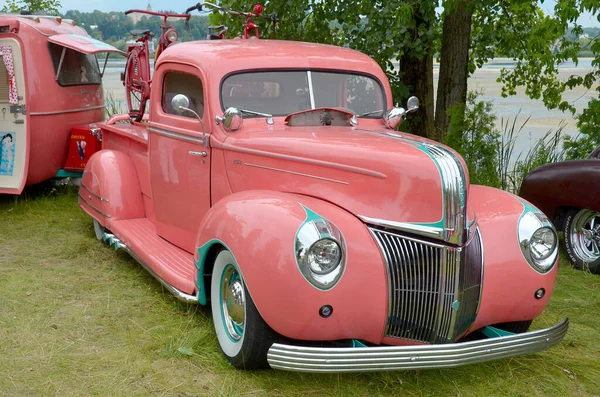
(231, 278)
(579, 241)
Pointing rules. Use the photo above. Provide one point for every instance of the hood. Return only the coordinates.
(385, 178)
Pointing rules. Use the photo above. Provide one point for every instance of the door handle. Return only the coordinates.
(201, 154)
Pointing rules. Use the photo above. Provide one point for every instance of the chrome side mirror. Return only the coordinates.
(180, 103)
(412, 105)
(232, 119)
(393, 117)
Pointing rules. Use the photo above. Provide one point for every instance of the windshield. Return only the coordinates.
(281, 93)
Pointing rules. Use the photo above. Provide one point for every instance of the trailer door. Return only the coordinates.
(13, 120)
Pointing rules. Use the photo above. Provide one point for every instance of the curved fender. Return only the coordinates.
(259, 228)
(564, 184)
(110, 188)
(509, 282)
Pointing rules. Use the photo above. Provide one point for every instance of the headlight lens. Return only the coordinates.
(538, 241)
(324, 256)
(542, 244)
(320, 252)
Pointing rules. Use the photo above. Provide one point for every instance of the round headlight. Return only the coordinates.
(542, 244)
(538, 241)
(324, 256)
(172, 35)
(320, 252)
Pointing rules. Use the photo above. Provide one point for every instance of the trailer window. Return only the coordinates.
(77, 68)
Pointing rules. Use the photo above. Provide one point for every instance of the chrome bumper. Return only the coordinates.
(385, 358)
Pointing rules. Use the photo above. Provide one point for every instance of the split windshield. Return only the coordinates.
(281, 93)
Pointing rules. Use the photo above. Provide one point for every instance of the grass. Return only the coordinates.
(77, 319)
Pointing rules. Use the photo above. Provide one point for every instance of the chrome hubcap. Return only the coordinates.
(585, 235)
(233, 302)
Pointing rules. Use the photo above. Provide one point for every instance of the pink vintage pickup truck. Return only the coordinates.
(270, 184)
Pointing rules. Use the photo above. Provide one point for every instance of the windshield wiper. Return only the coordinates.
(370, 113)
(253, 113)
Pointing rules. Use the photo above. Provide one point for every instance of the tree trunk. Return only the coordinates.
(417, 75)
(454, 63)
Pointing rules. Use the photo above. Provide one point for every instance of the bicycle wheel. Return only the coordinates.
(137, 83)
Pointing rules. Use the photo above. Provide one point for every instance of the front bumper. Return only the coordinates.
(386, 358)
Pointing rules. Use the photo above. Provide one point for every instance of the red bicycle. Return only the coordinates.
(137, 78)
(250, 27)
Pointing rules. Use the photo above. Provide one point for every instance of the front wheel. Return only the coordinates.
(581, 234)
(243, 335)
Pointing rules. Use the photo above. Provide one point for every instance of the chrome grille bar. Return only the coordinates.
(434, 290)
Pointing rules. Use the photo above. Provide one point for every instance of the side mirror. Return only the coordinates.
(412, 104)
(393, 117)
(232, 119)
(180, 103)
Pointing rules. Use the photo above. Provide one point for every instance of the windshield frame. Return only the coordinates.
(321, 70)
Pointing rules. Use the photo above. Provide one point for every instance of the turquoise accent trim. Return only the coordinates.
(310, 216)
(202, 254)
(357, 343)
(67, 174)
(237, 328)
(528, 207)
(493, 332)
(456, 305)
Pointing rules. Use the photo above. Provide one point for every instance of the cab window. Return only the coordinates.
(186, 84)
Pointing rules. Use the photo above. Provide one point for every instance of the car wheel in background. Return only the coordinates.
(581, 234)
(243, 335)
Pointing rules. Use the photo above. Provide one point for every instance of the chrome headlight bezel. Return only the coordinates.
(310, 233)
(530, 223)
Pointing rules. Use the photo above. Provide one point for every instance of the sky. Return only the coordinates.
(180, 6)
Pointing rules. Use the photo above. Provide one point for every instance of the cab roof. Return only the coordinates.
(217, 58)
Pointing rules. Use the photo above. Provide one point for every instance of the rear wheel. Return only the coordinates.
(243, 335)
(581, 235)
(137, 83)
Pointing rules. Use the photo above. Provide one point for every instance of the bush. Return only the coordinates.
(490, 154)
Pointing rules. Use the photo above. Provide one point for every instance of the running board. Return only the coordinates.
(113, 241)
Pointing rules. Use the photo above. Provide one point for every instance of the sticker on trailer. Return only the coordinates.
(7, 153)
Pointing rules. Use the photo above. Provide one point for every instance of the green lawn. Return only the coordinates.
(76, 319)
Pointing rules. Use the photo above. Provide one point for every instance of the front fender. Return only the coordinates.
(509, 282)
(259, 228)
(565, 184)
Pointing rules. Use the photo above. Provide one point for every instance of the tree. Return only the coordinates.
(466, 35)
(48, 6)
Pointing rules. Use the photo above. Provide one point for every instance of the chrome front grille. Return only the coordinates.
(434, 289)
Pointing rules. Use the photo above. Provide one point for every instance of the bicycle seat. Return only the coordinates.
(216, 27)
(140, 32)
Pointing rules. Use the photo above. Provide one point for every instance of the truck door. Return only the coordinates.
(179, 156)
(13, 120)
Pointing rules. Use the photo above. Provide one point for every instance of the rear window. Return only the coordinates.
(76, 69)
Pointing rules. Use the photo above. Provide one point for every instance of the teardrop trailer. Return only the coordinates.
(269, 183)
(51, 96)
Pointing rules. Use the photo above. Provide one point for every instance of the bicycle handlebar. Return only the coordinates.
(160, 14)
(199, 7)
